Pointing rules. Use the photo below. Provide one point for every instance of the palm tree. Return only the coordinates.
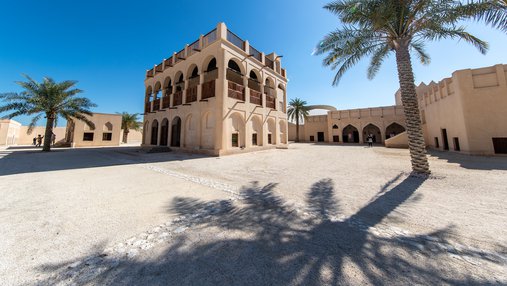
(297, 111)
(129, 121)
(49, 99)
(378, 27)
(492, 12)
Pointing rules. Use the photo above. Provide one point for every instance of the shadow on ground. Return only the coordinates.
(260, 240)
(474, 162)
(28, 159)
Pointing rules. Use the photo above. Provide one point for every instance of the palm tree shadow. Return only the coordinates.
(261, 240)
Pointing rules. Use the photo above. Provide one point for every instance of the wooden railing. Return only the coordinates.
(235, 40)
(149, 73)
(234, 76)
(253, 84)
(178, 98)
(210, 75)
(193, 81)
(156, 104)
(270, 101)
(236, 91)
(193, 48)
(191, 94)
(284, 74)
(169, 62)
(147, 107)
(158, 68)
(255, 97)
(208, 89)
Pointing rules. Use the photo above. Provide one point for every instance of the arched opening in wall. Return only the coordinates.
(210, 75)
(107, 132)
(208, 131)
(237, 130)
(146, 129)
(350, 134)
(269, 90)
(176, 132)
(147, 100)
(189, 131)
(373, 131)
(179, 86)
(212, 65)
(164, 132)
(394, 129)
(283, 131)
(154, 132)
(193, 83)
(280, 95)
(257, 136)
(335, 133)
(255, 87)
(234, 76)
(271, 131)
(156, 90)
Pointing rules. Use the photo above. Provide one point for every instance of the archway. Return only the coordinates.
(394, 129)
(271, 131)
(257, 135)
(154, 132)
(189, 131)
(164, 132)
(237, 130)
(208, 131)
(373, 130)
(176, 132)
(350, 134)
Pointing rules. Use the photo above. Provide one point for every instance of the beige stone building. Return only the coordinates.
(464, 113)
(218, 95)
(107, 132)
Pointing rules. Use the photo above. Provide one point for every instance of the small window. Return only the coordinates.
(335, 126)
(254, 139)
(437, 145)
(107, 136)
(269, 138)
(235, 142)
(312, 138)
(500, 145)
(88, 136)
(336, 138)
(456, 144)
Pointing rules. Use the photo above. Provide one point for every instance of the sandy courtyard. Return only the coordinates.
(309, 215)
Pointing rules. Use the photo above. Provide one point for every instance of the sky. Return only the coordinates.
(107, 46)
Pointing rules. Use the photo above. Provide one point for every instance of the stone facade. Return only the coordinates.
(218, 95)
(464, 113)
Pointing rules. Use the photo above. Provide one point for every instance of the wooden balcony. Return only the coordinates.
(147, 107)
(236, 91)
(166, 101)
(208, 89)
(270, 101)
(255, 97)
(191, 95)
(156, 104)
(178, 98)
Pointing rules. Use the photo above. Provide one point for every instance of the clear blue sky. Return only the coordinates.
(108, 45)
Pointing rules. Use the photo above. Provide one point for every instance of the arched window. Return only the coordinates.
(108, 127)
(195, 73)
(234, 66)
(212, 65)
(253, 76)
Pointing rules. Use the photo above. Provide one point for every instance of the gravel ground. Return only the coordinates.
(309, 215)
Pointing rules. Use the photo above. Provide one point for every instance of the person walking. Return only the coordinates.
(39, 140)
(53, 139)
(34, 141)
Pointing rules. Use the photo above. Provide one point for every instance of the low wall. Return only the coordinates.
(398, 141)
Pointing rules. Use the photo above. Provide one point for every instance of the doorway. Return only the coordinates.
(176, 132)
(445, 140)
(320, 136)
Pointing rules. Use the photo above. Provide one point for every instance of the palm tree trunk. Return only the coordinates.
(297, 127)
(49, 132)
(416, 142)
(125, 135)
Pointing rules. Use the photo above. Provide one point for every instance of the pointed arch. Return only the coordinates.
(394, 129)
(207, 130)
(257, 131)
(164, 132)
(374, 131)
(350, 134)
(236, 130)
(154, 132)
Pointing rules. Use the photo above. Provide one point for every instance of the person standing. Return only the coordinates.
(369, 139)
(39, 140)
(34, 141)
(53, 139)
